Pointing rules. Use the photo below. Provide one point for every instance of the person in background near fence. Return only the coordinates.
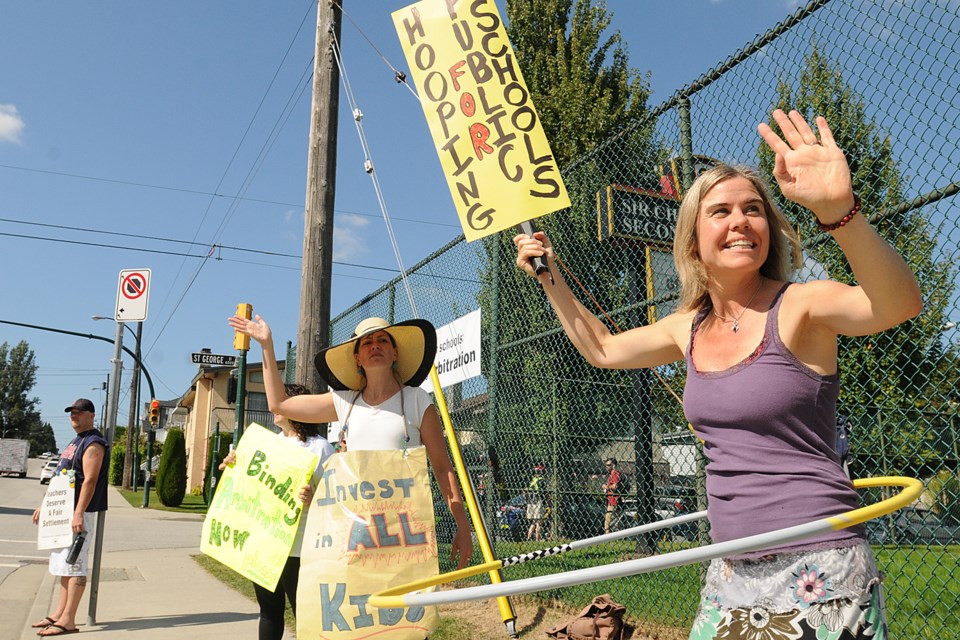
(762, 380)
(611, 489)
(535, 511)
(273, 603)
(85, 459)
(376, 376)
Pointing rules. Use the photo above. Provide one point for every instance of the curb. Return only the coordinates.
(41, 603)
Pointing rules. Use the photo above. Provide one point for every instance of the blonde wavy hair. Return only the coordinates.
(784, 253)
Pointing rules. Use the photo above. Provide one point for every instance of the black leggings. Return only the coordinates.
(273, 603)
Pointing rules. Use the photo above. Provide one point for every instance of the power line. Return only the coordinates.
(101, 245)
(144, 185)
(223, 177)
(209, 253)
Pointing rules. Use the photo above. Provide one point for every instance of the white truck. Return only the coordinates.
(13, 457)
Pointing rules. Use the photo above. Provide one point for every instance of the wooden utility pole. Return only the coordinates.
(321, 182)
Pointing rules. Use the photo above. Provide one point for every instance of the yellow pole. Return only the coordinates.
(506, 608)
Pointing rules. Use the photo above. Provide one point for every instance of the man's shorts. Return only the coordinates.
(58, 557)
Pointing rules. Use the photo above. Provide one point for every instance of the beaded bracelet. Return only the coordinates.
(842, 222)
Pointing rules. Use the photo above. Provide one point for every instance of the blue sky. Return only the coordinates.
(130, 130)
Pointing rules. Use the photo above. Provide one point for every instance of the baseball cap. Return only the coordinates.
(81, 404)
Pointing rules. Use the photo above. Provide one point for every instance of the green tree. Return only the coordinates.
(40, 434)
(115, 476)
(18, 375)
(551, 405)
(172, 474)
(116, 456)
(889, 380)
(579, 78)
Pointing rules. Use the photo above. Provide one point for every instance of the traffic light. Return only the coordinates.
(154, 413)
(241, 341)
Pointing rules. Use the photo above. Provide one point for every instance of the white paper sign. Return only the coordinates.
(458, 351)
(56, 514)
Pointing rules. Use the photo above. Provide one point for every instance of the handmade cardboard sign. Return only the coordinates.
(491, 143)
(252, 523)
(370, 527)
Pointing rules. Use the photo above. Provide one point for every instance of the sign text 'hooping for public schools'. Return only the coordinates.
(485, 127)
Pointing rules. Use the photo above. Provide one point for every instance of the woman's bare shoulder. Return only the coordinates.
(678, 321)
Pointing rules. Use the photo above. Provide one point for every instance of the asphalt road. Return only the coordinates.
(18, 537)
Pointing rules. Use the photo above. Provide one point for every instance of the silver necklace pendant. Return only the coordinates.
(736, 325)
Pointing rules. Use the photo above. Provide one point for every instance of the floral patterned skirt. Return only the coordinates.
(832, 594)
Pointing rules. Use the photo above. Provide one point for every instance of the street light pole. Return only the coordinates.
(113, 397)
(133, 423)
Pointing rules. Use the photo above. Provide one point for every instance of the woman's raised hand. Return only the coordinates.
(228, 460)
(535, 246)
(813, 173)
(257, 328)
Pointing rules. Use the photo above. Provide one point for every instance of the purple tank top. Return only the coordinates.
(768, 426)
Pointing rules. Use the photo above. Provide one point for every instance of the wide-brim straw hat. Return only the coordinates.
(416, 342)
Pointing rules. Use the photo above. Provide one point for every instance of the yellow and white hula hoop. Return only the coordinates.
(406, 596)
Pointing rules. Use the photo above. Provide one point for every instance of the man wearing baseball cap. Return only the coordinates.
(85, 461)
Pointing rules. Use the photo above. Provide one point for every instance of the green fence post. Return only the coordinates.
(241, 395)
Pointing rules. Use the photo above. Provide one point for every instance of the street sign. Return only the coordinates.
(214, 359)
(132, 295)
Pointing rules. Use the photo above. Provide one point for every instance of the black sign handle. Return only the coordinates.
(539, 263)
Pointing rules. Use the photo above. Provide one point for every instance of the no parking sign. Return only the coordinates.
(132, 295)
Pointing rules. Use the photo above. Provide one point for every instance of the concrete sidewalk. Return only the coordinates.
(155, 592)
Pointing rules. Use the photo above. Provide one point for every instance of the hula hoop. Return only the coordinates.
(404, 596)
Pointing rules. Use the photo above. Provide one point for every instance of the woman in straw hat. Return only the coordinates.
(762, 380)
(375, 377)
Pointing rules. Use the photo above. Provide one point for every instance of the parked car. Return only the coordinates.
(48, 471)
(912, 525)
(628, 516)
(676, 498)
(581, 515)
(922, 526)
(678, 494)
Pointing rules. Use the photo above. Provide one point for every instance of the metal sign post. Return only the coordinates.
(241, 343)
(113, 399)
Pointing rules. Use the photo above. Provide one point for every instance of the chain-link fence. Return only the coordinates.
(883, 74)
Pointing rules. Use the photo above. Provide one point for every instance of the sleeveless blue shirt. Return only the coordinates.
(72, 458)
(768, 426)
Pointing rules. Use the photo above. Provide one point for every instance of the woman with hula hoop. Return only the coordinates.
(762, 380)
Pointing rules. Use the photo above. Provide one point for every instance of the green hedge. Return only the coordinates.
(172, 474)
(117, 452)
(226, 439)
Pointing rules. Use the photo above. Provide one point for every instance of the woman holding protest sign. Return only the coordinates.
(375, 377)
(762, 380)
(273, 603)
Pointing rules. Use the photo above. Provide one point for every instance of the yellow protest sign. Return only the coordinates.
(370, 527)
(491, 144)
(252, 522)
